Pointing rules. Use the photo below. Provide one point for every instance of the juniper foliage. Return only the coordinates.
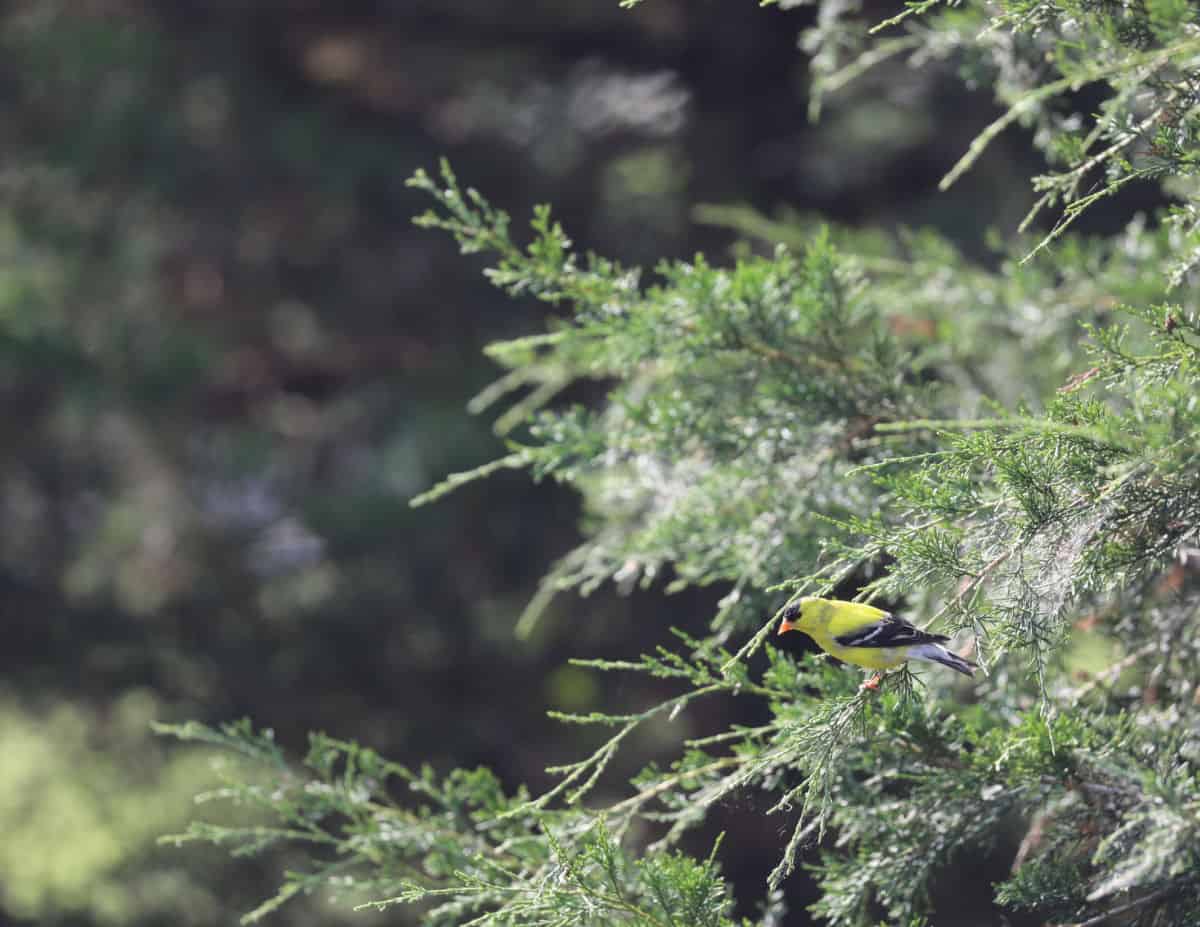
(1010, 455)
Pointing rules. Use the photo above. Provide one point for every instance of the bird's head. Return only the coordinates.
(800, 614)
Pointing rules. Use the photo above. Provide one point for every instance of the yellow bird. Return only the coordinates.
(868, 636)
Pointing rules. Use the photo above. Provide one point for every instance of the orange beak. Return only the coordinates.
(785, 626)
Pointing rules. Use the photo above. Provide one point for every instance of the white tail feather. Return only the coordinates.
(936, 653)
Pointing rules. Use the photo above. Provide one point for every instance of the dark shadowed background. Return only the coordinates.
(228, 360)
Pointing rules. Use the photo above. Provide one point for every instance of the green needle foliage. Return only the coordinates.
(1010, 454)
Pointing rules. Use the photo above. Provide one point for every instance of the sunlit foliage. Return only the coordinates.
(1010, 455)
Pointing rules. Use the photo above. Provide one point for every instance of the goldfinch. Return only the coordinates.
(868, 636)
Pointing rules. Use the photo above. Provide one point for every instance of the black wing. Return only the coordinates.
(890, 631)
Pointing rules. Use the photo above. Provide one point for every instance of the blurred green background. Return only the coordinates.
(228, 359)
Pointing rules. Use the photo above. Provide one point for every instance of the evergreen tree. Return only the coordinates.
(1009, 455)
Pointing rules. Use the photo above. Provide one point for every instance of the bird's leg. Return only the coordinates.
(872, 683)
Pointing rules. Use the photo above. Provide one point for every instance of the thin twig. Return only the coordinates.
(979, 577)
(1153, 60)
(1121, 909)
(1078, 172)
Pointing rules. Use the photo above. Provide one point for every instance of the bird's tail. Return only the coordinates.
(936, 653)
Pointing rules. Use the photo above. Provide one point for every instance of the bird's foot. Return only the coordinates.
(872, 683)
